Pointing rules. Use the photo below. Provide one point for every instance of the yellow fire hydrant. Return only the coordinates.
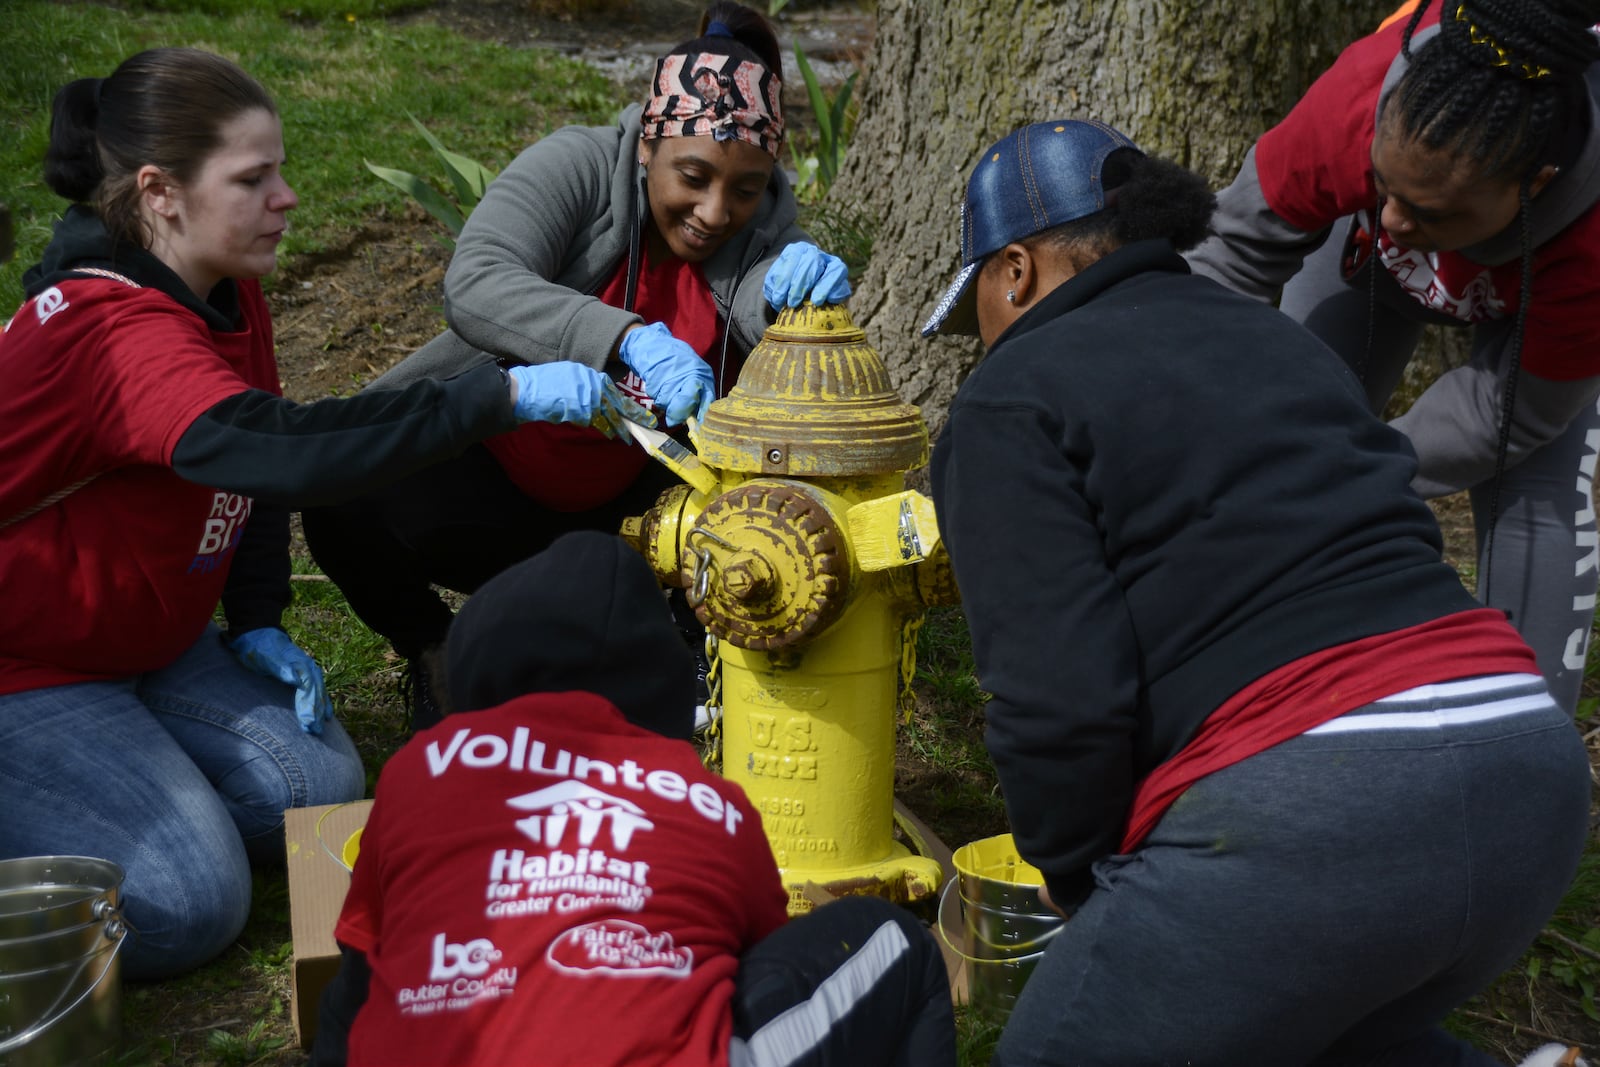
(811, 564)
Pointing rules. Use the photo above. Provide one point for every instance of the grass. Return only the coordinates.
(343, 85)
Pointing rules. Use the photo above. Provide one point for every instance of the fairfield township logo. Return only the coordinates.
(572, 804)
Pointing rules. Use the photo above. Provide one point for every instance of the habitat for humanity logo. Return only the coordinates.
(569, 804)
(618, 947)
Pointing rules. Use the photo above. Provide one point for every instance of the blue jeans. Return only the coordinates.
(1327, 901)
(181, 776)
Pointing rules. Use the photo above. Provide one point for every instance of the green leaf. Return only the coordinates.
(840, 103)
(469, 177)
(430, 198)
(819, 105)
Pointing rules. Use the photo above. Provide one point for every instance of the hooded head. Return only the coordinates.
(584, 614)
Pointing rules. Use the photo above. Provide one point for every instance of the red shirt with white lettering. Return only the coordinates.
(1315, 167)
(100, 379)
(545, 883)
(574, 468)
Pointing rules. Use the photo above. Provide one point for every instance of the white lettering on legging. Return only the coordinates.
(1588, 546)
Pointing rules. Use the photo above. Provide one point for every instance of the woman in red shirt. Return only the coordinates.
(151, 464)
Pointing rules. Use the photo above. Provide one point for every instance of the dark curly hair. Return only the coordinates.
(1148, 198)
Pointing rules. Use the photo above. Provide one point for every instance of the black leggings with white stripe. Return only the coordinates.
(856, 983)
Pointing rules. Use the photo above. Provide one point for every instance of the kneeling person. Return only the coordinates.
(557, 879)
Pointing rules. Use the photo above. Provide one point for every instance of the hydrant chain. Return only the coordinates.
(701, 582)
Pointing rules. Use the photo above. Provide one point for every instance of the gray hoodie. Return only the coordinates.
(551, 230)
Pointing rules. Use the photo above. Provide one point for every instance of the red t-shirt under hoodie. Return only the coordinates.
(575, 468)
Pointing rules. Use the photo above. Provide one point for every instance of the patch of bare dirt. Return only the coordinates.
(343, 317)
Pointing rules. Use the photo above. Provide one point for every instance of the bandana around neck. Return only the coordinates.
(703, 94)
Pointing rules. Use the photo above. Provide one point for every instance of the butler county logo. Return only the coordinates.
(618, 948)
(459, 976)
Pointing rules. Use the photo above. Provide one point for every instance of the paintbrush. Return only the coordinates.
(679, 460)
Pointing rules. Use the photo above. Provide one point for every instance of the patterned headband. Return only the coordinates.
(705, 94)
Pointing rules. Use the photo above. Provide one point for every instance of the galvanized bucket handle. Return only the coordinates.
(116, 928)
(944, 934)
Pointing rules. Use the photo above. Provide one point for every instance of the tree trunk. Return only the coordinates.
(1192, 80)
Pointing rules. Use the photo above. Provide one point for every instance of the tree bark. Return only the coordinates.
(1192, 80)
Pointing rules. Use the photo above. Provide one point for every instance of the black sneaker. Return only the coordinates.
(420, 693)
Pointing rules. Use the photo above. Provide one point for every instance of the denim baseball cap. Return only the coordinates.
(1031, 180)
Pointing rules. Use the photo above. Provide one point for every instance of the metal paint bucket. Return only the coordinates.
(60, 984)
(1007, 927)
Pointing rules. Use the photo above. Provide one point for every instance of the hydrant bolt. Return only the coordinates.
(748, 577)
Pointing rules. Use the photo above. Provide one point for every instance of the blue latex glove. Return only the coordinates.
(680, 382)
(805, 272)
(573, 392)
(269, 652)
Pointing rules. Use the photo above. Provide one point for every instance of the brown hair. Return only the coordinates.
(164, 107)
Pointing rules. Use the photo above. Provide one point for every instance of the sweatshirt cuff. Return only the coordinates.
(1069, 892)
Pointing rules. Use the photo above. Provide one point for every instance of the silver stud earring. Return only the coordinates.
(1011, 296)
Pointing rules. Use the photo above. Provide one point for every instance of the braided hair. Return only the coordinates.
(1501, 86)
(1502, 83)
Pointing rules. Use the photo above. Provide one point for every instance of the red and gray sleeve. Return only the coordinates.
(1252, 250)
(1454, 426)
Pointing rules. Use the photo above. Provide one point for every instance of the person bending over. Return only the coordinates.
(1446, 169)
(1298, 793)
(550, 876)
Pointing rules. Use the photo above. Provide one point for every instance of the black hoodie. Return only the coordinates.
(1154, 492)
(585, 614)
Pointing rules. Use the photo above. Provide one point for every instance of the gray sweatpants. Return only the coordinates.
(1327, 901)
(1545, 559)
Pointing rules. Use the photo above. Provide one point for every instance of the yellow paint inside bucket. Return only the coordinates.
(996, 858)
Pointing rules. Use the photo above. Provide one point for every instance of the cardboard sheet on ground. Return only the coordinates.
(322, 844)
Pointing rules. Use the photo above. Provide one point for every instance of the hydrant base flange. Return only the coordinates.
(902, 877)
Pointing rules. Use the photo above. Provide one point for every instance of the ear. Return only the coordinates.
(1019, 272)
(158, 191)
(647, 151)
(1542, 179)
